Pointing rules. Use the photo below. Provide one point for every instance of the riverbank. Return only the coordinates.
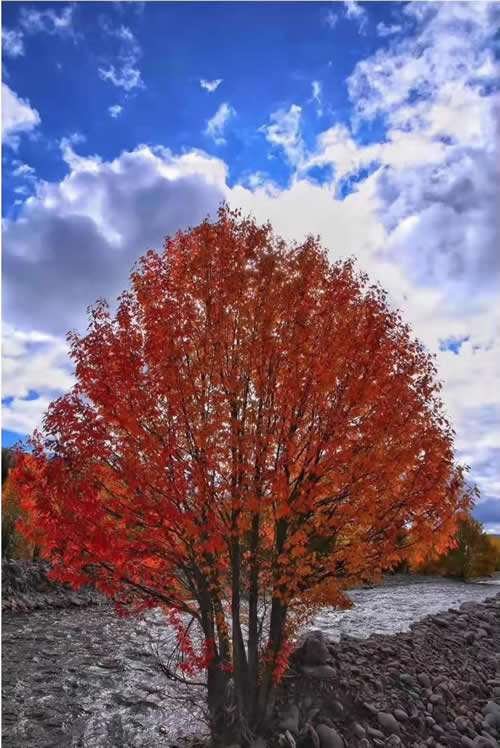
(83, 677)
(26, 588)
(435, 685)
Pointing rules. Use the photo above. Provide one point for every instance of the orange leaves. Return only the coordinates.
(243, 380)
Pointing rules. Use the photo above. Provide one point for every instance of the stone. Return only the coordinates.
(321, 672)
(388, 722)
(290, 719)
(314, 649)
(358, 730)
(436, 698)
(424, 680)
(492, 708)
(462, 723)
(407, 679)
(400, 715)
(480, 741)
(313, 736)
(374, 733)
(329, 737)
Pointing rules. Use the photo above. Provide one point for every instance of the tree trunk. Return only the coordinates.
(225, 727)
(253, 599)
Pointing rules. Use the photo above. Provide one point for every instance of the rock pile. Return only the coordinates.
(25, 587)
(436, 685)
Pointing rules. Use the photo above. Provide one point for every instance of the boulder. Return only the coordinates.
(313, 649)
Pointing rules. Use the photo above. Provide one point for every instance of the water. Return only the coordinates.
(83, 677)
(401, 601)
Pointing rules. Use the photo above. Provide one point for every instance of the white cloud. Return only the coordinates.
(125, 73)
(33, 361)
(35, 370)
(12, 42)
(424, 223)
(317, 94)
(23, 170)
(48, 21)
(285, 133)
(216, 125)
(126, 76)
(17, 116)
(115, 110)
(331, 19)
(210, 86)
(355, 12)
(22, 416)
(76, 240)
(384, 30)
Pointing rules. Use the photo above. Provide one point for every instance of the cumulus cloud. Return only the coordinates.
(35, 370)
(17, 116)
(210, 86)
(115, 110)
(420, 214)
(216, 125)
(285, 132)
(435, 88)
(77, 240)
(12, 42)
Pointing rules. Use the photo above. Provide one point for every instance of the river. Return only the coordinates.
(83, 677)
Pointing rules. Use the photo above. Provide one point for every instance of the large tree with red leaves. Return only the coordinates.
(250, 434)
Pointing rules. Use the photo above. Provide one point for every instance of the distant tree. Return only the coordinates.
(7, 455)
(249, 432)
(473, 555)
(14, 544)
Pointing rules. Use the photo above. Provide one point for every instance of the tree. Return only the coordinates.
(249, 432)
(14, 545)
(473, 554)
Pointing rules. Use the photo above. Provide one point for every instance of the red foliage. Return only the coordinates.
(252, 419)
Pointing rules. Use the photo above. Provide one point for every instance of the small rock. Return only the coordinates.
(393, 740)
(329, 737)
(290, 719)
(374, 733)
(388, 722)
(321, 672)
(462, 723)
(407, 679)
(424, 680)
(359, 730)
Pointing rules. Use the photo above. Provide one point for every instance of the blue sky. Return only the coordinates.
(372, 124)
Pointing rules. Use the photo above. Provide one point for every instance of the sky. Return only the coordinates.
(374, 125)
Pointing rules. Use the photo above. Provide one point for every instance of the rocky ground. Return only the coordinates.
(76, 675)
(25, 588)
(435, 685)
